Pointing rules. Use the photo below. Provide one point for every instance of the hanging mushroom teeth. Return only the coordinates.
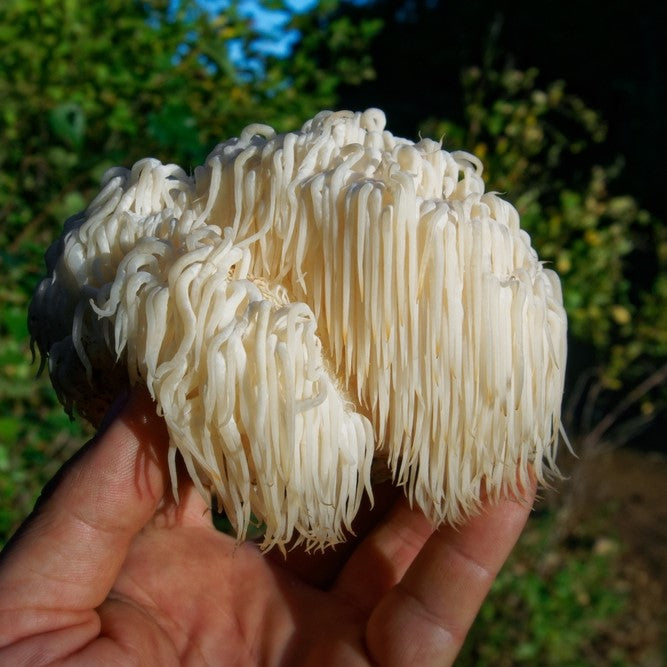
(305, 303)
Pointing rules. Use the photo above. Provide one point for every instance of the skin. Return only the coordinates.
(108, 569)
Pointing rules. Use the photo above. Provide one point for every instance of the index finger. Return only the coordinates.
(68, 553)
(424, 619)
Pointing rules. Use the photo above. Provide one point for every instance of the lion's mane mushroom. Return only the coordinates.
(304, 303)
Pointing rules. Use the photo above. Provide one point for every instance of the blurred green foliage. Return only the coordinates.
(107, 83)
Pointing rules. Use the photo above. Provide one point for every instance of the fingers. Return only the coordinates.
(382, 558)
(424, 619)
(68, 553)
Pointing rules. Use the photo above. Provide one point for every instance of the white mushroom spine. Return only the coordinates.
(304, 302)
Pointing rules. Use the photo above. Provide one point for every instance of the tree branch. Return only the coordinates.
(656, 378)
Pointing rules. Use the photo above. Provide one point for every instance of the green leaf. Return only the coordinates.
(68, 122)
(10, 427)
(14, 323)
(174, 125)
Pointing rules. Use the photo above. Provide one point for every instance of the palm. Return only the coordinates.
(227, 602)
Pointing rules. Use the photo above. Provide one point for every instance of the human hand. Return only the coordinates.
(108, 569)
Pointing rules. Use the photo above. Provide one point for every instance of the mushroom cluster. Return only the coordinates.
(307, 303)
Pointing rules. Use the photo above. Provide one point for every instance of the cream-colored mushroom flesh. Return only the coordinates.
(307, 302)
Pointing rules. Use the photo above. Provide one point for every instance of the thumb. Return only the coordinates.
(68, 553)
